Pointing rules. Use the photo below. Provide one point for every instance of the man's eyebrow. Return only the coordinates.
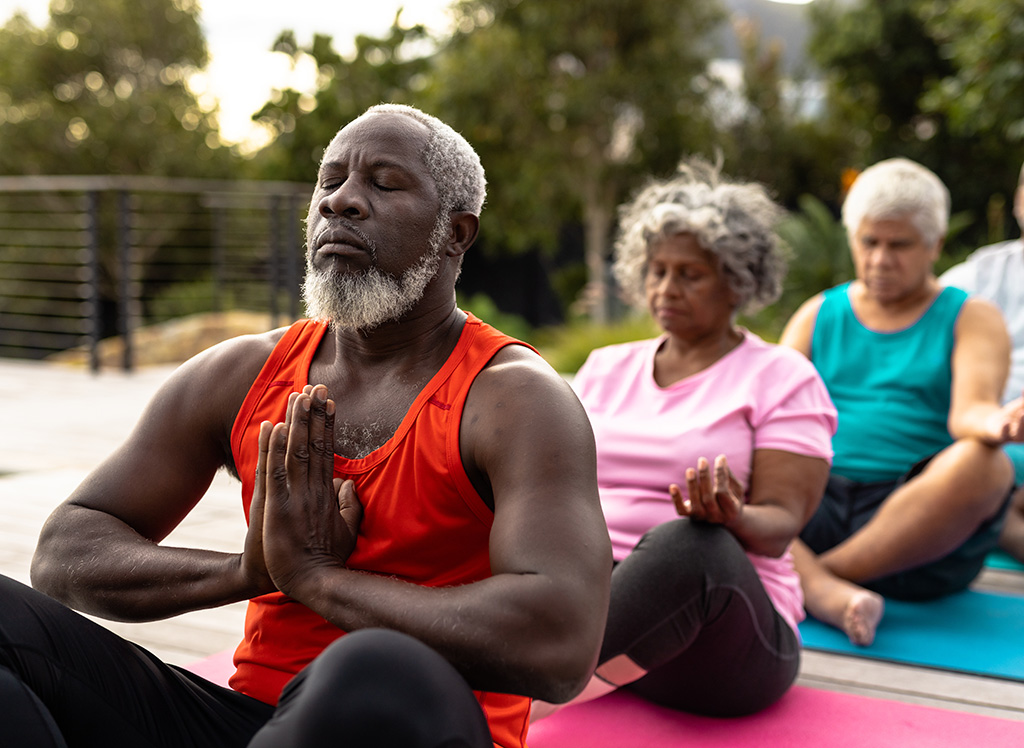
(380, 163)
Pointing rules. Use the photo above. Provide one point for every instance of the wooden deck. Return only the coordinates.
(58, 423)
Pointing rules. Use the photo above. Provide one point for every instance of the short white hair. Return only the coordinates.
(899, 188)
(452, 162)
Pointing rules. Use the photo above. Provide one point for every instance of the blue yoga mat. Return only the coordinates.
(970, 632)
(998, 559)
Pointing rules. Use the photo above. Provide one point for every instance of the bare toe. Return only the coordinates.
(862, 615)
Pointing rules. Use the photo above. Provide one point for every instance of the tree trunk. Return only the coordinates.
(597, 222)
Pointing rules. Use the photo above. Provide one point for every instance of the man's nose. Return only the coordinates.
(347, 200)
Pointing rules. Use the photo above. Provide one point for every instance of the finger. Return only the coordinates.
(288, 410)
(348, 505)
(681, 504)
(707, 491)
(721, 479)
(298, 440)
(259, 489)
(693, 489)
(277, 465)
(329, 410)
(317, 438)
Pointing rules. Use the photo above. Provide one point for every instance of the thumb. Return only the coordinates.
(348, 504)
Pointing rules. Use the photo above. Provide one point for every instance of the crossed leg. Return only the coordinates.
(921, 521)
(1012, 538)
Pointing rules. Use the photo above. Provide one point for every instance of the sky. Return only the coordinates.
(242, 72)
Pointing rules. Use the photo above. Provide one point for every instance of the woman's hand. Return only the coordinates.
(717, 498)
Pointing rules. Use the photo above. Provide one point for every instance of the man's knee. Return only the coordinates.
(376, 687)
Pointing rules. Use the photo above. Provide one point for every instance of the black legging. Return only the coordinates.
(66, 681)
(688, 607)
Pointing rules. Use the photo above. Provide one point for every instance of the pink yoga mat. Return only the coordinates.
(804, 717)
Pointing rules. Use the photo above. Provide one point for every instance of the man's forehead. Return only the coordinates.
(389, 128)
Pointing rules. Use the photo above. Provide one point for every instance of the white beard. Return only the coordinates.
(362, 301)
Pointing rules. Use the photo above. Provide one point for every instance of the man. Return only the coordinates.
(996, 273)
(409, 474)
(919, 483)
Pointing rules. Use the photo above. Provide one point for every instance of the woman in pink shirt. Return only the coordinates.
(713, 451)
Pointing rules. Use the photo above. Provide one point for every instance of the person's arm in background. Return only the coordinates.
(799, 331)
(981, 363)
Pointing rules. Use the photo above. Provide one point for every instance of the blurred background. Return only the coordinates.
(157, 156)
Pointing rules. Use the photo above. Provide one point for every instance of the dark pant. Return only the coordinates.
(66, 681)
(848, 505)
(688, 607)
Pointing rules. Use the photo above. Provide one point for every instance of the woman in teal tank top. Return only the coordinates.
(919, 485)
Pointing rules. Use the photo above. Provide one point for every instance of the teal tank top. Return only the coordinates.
(891, 389)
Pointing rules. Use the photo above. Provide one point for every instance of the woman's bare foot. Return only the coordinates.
(862, 615)
(840, 603)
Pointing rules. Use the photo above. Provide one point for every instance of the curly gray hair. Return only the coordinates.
(734, 221)
(451, 160)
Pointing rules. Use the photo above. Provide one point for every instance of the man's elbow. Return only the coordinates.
(564, 673)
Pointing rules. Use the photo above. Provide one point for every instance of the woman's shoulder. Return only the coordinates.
(779, 361)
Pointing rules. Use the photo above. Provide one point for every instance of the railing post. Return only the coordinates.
(293, 258)
(93, 300)
(273, 262)
(126, 285)
(219, 258)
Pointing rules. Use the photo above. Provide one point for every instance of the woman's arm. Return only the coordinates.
(785, 490)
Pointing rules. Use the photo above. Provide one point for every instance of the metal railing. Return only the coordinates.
(85, 258)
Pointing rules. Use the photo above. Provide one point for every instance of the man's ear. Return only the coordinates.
(465, 227)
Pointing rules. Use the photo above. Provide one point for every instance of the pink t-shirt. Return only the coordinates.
(757, 396)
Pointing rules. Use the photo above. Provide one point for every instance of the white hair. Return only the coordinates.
(363, 301)
(735, 222)
(453, 164)
(899, 188)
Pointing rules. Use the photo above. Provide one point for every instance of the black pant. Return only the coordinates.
(688, 607)
(66, 681)
(848, 505)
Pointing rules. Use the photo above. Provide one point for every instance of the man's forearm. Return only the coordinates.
(504, 633)
(96, 564)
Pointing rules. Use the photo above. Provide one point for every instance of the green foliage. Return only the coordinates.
(102, 90)
(778, 141)
(387, 69)
(570, 104)
(483, 307)
(983, 41)
(567, 347)
(937, 81)
(819, 258)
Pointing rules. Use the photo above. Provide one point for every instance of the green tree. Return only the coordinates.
(937, 81)
(569, 104)
(102, 89)
(393, 68)
(779, 138)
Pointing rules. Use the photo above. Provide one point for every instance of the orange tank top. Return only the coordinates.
(442, 541)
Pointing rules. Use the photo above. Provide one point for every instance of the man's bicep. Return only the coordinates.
(539, 458)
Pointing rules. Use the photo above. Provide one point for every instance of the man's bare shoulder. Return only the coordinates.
(518, 366)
